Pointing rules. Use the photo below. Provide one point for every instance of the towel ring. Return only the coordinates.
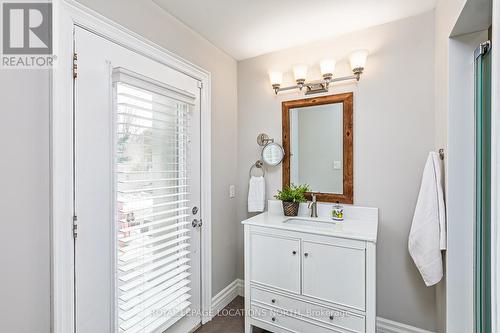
(259, 165)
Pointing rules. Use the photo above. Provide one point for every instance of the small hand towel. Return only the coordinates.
(428, 230)
(256, 194)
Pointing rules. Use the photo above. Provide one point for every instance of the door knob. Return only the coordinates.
(196, 223)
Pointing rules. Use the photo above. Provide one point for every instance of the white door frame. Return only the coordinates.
(68, 14)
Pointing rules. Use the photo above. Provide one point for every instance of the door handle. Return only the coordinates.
(197, 223)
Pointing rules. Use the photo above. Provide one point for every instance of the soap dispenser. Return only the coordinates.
(338, 212)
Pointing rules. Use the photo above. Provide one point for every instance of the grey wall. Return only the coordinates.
(393, 133)
(24, 179)
(25, 235)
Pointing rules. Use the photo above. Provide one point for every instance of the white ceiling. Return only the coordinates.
(248, 28)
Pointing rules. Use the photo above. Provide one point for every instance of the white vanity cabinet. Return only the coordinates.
(307, 280)
(284, 258)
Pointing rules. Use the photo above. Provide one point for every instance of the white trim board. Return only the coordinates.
(226, 295)
(389, 326)
(236, 288)
(67, 15)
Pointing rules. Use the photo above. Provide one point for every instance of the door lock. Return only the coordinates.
(197, 223)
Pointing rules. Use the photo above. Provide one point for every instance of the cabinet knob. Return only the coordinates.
(273, 301)
(273, 319)
(331, 317)
(294, 252)
(306, 254)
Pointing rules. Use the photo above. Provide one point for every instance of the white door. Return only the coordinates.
(137, 181)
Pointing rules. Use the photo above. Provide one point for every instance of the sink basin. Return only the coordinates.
(311, 222)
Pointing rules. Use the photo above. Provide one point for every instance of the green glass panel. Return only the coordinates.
(483, 193)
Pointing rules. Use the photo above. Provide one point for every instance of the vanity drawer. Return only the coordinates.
(288, 322)
(330, 316)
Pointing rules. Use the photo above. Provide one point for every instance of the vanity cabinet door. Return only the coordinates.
(334, 274)
(275, 262)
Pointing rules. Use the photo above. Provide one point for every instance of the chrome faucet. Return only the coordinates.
(313, 206)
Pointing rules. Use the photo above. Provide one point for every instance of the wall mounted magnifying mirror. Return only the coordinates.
(317, 141)
(272, 154)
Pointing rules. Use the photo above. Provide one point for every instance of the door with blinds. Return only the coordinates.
(137, 192)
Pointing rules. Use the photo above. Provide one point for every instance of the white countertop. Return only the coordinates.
(360, 223)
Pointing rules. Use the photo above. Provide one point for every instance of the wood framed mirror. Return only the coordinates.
(318, 142)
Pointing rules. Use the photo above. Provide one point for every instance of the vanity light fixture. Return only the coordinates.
(327, 67)
(300, 74)
(276, 78)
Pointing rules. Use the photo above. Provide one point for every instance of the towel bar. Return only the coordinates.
(259, 165)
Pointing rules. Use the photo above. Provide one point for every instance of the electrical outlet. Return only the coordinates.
(232, 191)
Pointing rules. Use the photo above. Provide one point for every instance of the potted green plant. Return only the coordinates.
(291, 197)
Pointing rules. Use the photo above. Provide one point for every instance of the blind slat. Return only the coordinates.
(124, 94)
(172, 294)
(126, 256)
(150, 297)
(153, 189)
(151, 323)
(134, 116)
(163, 273)
(169, 203)
(152, 197)
(149, 279)
(142, 243)
(169, 317)
(153, 223)
(128, 277)
(152, 215)
(154, 231)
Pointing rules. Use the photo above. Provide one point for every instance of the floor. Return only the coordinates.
(229, 320)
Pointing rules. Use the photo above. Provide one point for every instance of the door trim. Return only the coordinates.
(68, 14)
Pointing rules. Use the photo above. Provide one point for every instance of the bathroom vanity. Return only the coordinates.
(310, 274)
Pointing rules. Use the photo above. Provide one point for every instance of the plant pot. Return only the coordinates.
(290, 208)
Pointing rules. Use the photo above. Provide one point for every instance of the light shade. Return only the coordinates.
(300, 72)
(276, 77)
(358, 59)
(327, 66)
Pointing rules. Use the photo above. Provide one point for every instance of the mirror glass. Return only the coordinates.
(316, 147)
(272, 154)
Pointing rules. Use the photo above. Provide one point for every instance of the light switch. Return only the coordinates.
(337, 165)
(232, 191)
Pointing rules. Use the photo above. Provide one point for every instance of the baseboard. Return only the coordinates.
(389, 326)
(226, 295)
(241, 287)
(237, 288)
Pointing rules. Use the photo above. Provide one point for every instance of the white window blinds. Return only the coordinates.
(152, 203)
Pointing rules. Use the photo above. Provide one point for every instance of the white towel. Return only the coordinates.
(428, 230)
(256, 194)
